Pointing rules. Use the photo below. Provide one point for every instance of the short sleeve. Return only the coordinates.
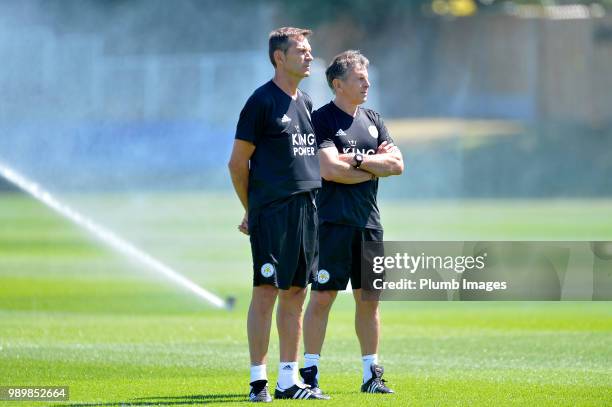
(383, 133)
(250, 124)
(323, 132)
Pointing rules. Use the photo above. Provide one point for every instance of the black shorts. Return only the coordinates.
(285, 242)
(340, 255)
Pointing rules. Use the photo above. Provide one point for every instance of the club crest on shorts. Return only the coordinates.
(322, 276)
(373, 131)
(267, 270)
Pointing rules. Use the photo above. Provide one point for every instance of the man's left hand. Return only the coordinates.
(386, 147)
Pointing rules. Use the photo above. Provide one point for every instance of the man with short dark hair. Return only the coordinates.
(275, 172)
(355, 150)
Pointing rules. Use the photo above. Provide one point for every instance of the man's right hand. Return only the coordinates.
(244, 225)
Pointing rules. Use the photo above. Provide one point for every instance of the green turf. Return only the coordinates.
(74, 313)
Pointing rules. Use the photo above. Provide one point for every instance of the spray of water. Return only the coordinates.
(108, 237)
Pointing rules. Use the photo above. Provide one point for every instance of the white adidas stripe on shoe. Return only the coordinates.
(297, 392)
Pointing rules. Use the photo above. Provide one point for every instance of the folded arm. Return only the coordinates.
(387, 161)
(337, 170)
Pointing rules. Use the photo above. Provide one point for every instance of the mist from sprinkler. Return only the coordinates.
(110, 238)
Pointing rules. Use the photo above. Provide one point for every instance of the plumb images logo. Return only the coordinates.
(267, 270)
(413, 263)
(497, 270)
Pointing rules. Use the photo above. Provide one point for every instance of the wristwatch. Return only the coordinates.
(358, 158)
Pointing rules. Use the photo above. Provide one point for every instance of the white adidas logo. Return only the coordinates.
(285, 119)
(340, 132)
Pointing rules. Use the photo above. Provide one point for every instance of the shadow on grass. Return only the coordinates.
(170, 401)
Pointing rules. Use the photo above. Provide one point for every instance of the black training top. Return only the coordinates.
(285, 161)
(346, 204)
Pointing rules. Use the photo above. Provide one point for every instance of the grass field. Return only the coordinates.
(74, 313)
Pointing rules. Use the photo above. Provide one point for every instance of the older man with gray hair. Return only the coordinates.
(355, 151)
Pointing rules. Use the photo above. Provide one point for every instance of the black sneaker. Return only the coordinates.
(376, 384)
(297, 392)
(309, 376)
(259, 392)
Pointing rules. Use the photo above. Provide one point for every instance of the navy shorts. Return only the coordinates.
(285, 242)
(340, 255)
